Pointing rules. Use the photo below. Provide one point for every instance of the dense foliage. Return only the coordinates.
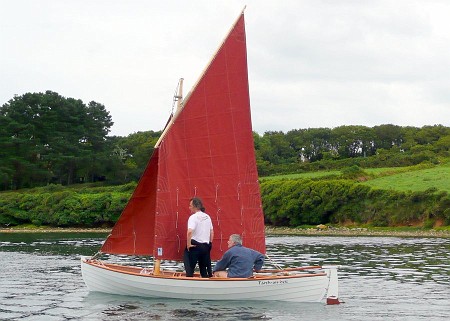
(324, 148)
(46, 138)
(55, 205)
(286, 202)
(305, 201)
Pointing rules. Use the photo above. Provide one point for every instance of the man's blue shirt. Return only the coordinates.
(240, 262)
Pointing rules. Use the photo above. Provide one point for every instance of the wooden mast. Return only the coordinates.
(179, 97)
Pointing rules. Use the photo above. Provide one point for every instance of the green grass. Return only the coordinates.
(415, 180)
(336, 173)
(412, 178)
(384, 171)
(304, 175)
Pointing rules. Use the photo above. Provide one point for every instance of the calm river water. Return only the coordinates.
(382, 278)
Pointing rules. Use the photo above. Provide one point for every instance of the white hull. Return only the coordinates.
(291, 287)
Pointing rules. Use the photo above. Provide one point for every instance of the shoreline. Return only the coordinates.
(327, 231)
(357, 231)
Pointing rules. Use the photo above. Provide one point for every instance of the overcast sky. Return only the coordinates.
(311, 63)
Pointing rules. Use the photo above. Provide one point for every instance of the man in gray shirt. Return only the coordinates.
(239, 260)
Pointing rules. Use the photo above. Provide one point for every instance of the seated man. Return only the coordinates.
(239, 260)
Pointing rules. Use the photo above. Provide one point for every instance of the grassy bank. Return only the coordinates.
(360, 231)
(410, 178)
(303, 231)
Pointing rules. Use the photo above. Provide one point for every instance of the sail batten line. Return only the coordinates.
(217, 216)
(134, 241)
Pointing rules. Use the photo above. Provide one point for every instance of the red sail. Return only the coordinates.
(206, 151)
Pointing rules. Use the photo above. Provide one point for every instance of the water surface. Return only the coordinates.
(382, 278)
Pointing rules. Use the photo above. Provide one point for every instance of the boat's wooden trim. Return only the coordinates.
(302, 268)
(165, 274)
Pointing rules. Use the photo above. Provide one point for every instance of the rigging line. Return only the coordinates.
(274, 263)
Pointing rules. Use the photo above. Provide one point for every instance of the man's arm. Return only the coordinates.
(223, 263)
(259, 261)
(189, 238)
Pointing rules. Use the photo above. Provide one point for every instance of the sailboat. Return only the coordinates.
(206, 150)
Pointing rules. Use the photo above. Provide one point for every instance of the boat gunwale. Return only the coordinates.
(175, 275)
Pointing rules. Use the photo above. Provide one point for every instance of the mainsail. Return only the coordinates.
(206, 151)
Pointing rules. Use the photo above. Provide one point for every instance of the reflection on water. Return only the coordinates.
(382, 278)
(173, 310)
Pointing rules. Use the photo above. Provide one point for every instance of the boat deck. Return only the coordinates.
(307, 271)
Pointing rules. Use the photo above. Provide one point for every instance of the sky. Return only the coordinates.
(315, 63)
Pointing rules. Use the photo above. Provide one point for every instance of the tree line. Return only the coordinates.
(335, 148)
(46, 138)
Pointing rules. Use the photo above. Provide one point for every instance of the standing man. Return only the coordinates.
(238, 261)
(200, 234)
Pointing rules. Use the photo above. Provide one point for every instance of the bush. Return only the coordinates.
(64, 207)
(304, 201)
